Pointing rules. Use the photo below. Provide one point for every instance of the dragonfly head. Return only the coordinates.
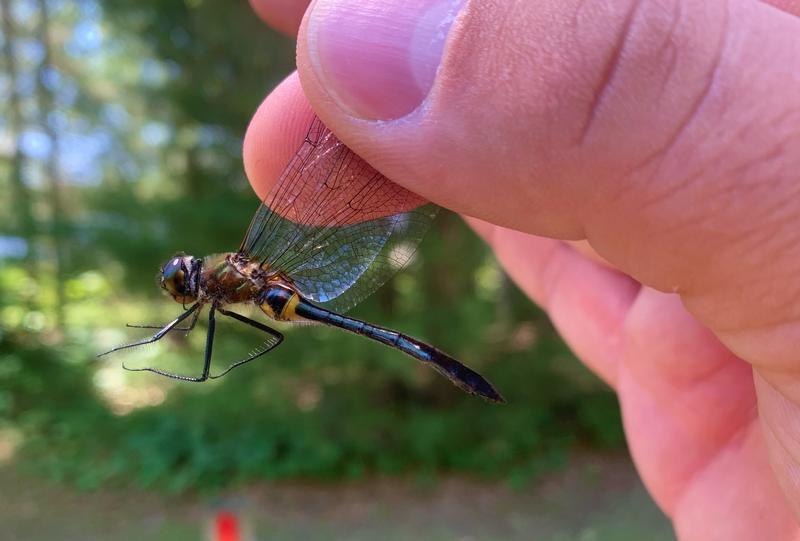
(180, 277)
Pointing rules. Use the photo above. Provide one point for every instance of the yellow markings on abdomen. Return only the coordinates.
(281, 308)
(289, 311)
(267, 309)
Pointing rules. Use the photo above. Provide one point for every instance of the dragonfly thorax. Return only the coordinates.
(180, 277)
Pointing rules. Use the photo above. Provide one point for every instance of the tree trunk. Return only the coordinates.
(24, 224)
(52, 173)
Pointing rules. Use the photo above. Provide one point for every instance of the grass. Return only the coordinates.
(597, 498)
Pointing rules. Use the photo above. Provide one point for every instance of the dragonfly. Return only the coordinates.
(331, 230)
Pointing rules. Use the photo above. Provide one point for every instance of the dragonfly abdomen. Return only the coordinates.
(461, 375)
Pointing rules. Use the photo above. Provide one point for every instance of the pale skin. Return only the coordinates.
(635, 165)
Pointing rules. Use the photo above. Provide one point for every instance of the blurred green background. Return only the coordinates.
(120, 144)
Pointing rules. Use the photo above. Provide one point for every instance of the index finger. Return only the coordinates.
(283, 15)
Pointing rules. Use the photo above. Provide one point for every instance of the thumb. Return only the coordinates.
(664, 132)
(549, 100)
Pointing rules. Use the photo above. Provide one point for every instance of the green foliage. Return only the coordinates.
(324, 405)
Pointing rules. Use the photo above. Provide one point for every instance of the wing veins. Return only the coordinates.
(331, 222)
(330, 230)
(296, 165)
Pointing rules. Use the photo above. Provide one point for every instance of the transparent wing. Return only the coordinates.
(334, 225)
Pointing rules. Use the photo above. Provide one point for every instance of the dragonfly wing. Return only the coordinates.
(334, 225)
(380, 248)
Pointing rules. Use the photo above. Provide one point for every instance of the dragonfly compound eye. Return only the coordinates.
(176, 279)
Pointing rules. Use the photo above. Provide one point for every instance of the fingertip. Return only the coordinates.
(283, 15)
(275, 133)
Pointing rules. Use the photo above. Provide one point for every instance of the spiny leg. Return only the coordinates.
(187, 330)
(275, 339)
(161, 333)
(206, 363)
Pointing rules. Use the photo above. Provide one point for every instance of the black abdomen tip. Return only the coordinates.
(478, 385)
(465, 378)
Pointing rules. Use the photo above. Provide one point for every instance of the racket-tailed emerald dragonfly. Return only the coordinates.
(330, 232)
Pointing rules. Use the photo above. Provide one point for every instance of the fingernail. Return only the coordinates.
(378, 58)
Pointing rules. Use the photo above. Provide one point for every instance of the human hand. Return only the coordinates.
(664, 134)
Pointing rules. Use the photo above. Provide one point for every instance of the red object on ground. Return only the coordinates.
(226, 527)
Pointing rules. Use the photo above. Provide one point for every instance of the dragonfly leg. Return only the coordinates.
(206, 363)
(161, 333)
(274, 340)
(187, 330)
